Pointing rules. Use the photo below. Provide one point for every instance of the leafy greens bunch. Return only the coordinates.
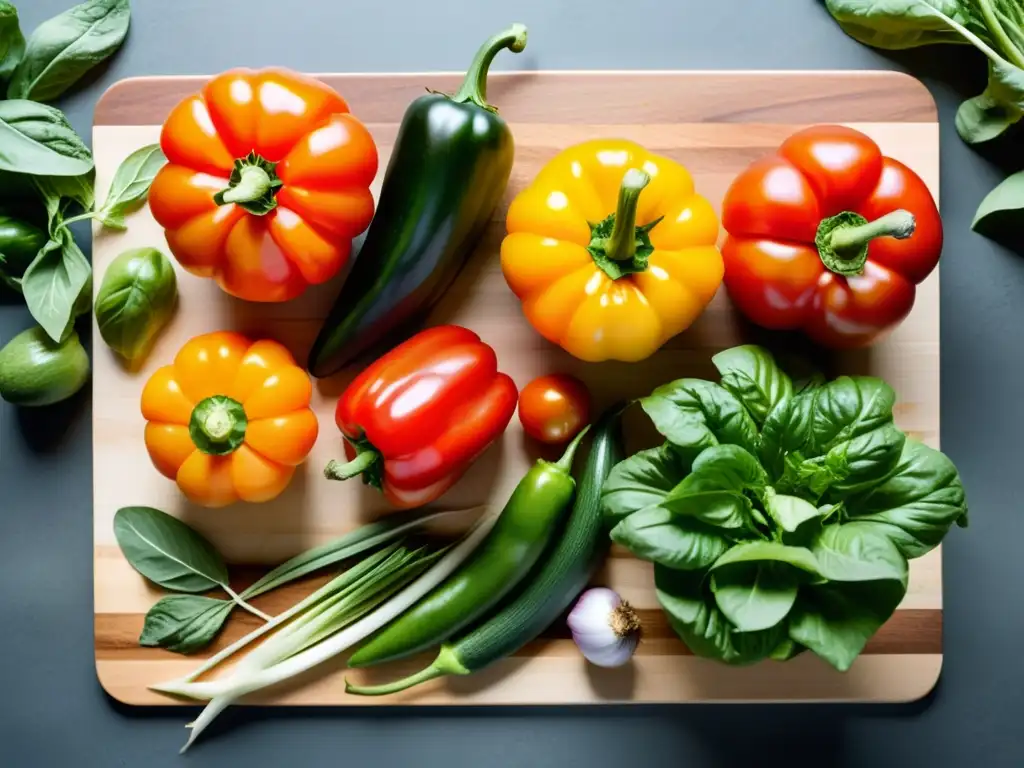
(780, 517)
(45, 164)
(994, 27)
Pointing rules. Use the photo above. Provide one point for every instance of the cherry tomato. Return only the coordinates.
(554, 408)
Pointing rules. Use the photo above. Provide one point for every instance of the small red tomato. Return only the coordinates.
(554, 408)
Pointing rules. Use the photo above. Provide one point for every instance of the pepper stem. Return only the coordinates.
(253, 184)
(218, 425)
(843, 239)
(847, 241)
(336, 470)
(446, 663)
(474, 86)
(621, 244)
(565, 463)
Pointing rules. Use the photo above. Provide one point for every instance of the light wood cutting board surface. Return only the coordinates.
(715, 123)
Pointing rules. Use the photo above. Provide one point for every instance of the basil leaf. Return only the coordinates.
(184, 623)
(12, 42)
(755, 596)
(918, 503)
(37, 139)
(80, 189)
(737, 468)
(718, 508)
(1001, 207)
(130, 186)
(858, 552)
(787, 650)
(55, 283)
(799, 558)
(695, 617)
(167, 551)
(750, 373)
(693, 414)
(837, 620)
(790, 512)
(657, 535)
(62, 49)
(643, 480)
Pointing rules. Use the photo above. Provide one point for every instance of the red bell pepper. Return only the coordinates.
(418, 417)
(830, 237)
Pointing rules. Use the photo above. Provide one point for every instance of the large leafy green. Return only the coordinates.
(37, 139)
(779, 517)
(12, 41)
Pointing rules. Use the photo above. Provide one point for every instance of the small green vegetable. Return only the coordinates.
(38, 140)
(19, 244)
(778, 517)
(36, 371)
(524, 528)
(12, 41)
(62, 49)
(570, 563)
(135, 301)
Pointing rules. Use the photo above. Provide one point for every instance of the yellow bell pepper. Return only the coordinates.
(611, 251)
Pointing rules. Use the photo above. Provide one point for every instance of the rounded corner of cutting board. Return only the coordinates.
(717, 137)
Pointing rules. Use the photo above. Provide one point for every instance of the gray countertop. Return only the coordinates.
(54, 713)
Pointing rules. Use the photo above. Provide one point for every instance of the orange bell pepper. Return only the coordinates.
(229, 419)
(267, 182)
(611, 251)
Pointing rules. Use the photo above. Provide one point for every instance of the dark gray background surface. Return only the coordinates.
(53, 712)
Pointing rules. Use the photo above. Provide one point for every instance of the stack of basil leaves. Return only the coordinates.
(46, 170)
(780, 517)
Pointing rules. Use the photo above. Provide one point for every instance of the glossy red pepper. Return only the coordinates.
(418, 417)
(830, 237)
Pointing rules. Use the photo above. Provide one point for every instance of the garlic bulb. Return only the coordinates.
(604, 627)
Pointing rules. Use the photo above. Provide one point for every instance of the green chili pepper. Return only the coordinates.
(526, 524)
(19, 244)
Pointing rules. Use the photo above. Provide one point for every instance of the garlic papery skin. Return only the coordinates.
(604, 627)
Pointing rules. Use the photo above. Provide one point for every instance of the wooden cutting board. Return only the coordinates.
(715, 123)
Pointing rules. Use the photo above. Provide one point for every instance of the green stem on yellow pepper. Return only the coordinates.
(621, 243)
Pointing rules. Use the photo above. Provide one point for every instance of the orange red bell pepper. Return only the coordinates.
(267, 182)
(611, 251)
(419, 416)
(229, 419)
(829, 236)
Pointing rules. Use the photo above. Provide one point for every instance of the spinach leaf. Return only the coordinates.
(755, 596)
(37, 139)
(1001, 206)
(750, 373)
(917, 504)
(642, 480)
(130, 186)
(799, 558)
(858, 552)
(695, 617)
(12, 42)
(694, 414)
(899, 24)
(167, 551)
(1001, 105)
(659, 536)
(786, 650)
(836, 620)
(184, 623)
(55, 284)
(790, 512)
(62, 49)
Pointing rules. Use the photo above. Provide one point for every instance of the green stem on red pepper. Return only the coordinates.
(843, 239)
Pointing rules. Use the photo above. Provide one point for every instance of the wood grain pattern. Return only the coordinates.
(714, 123)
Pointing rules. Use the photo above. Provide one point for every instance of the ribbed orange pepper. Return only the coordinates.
(611, 251)
(267, 182)
(229, 419)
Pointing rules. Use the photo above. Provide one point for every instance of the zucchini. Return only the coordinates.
(570, 564)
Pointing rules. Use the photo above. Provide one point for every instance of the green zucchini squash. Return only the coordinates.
(569, 565)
